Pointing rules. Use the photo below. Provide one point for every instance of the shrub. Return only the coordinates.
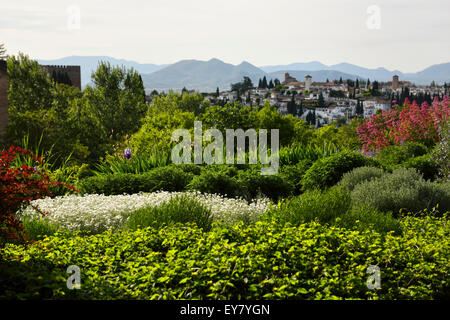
(328, 171)
(314, 204)
(19, 185)
(216, 181)
(179, 209)
(295, 173)
(424, 165)
(272, 186)
(168, 178)
(351, 179)
(441, 153)
(368, 218)
(402, 189)
(393, 155)
(260, 261)
(403, 124)
(37, 229)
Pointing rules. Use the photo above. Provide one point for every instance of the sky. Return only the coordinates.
(405, 35)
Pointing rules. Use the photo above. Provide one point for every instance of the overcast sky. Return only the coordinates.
(408, 35)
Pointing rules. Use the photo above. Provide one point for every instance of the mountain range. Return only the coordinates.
(206, 76)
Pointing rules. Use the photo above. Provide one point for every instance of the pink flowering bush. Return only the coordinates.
(408, 123)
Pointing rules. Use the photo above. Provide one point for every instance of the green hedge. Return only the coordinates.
(168, 178)
(328, 171)
(260, 261)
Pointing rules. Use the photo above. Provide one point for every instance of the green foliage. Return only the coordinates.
(157, 128)
(328, 171)
(168, 178)
(180, 209)
(38, 229)
(367, 218)
(139, 163)
(324, 206)
(356, 176)
(424, 165)
(441, 153)
(294, 154)
(259, 261)
(294, 174)
(274, 187)
(215, 179)
(403, 189)
(117, 100)
(394, 155)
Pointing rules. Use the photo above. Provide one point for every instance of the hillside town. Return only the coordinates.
(320, 103)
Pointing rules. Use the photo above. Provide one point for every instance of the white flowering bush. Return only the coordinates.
(97, 213)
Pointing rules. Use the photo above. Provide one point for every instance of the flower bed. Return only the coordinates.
(99, 212)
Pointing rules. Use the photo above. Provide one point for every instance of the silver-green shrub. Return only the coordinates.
(403, 189)
(358, 175)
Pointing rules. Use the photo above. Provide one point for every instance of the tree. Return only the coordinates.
(3, 55)
(359, 109)
(277, 82)
(116, 100)
(340, 80)
(357, 83)
(264, 83)
(374, 90)
(271, 85)
(217, 92)
(241, 87)
(321, 101)
(292, 106)
(260, 84)
(311, 118)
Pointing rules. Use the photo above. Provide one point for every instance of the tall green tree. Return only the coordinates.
(116, 100)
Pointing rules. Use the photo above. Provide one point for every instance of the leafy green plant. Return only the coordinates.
(351, 179)
(180, 209)
(254, 184)
(403, 189)
(312, 205)
(295, 173)
(168, 178)
(328, 171)
(37, 229)
(368, 218)
(219, 180)
(424, 165)
(294, 154)
(264, 260)
(139, 163)
(392, 156)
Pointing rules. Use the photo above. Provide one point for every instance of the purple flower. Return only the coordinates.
(127, 154)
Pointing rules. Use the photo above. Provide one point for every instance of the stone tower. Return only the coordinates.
(308, 81)
(395, 82)
(3, 97)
